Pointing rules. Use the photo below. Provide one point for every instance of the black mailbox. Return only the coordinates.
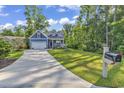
(113, 57)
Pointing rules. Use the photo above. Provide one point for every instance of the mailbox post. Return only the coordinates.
(105, 65)
(109, 58)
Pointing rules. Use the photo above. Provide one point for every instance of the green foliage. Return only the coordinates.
(95, 26)
(5, 48)
(121, 49)
(7, 32)
(19, 31)
(18, 43)
(15, 54)
(88, 66)
(67, 28)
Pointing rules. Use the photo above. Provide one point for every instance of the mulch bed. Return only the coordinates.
(6, 62)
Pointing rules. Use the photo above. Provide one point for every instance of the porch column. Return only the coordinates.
(63, 43)
(47, 44)
(52, 43)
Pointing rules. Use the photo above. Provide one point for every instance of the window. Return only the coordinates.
(58, 42)
(38, 35)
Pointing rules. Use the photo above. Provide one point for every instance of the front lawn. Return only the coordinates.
(15, 54)
(89, 67)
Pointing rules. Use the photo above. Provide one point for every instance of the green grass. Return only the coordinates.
(89, 67)
(15, 54)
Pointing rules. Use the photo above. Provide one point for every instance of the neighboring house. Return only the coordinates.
(40, 40)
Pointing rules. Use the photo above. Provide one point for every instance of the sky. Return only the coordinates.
(13, 15)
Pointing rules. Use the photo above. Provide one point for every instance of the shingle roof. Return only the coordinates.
(51, 34)
(55, 35)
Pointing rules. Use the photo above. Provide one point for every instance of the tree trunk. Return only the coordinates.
(106, 25)
(114, 20)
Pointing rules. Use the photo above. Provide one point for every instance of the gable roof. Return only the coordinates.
(38, 32)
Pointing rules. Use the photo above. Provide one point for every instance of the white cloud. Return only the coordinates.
(72, 22)
(52, 21)
(71, 7)
(48, 6)
(1, 27)
(21, 22)
(65, 20)
(75, 17)
(18, 10)
(4, 14)
(11, 26)
(7, 26)
(1, 11)
(61, 10)
(1, 7)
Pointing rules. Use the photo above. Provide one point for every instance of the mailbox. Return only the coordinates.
(112, 57)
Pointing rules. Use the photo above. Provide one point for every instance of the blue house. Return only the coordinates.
(40, 40)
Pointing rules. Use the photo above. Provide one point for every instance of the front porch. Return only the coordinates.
(55, 43)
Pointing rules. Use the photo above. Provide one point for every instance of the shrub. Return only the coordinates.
(121, 49)
(17, 43)
(5, 48)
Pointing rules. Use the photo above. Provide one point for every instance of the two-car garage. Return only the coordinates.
(38, 40)
(38, 45)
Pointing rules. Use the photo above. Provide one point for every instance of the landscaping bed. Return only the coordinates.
(6, 62)
(88, 66)
(10, 58)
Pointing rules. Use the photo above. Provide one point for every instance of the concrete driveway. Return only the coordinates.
(37, 68)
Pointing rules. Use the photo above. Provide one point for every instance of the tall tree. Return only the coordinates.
(35, 20)
(67, 28)
(19, 30)
(106, 25)
(95, 26)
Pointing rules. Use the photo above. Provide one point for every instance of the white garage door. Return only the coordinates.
(38, 44)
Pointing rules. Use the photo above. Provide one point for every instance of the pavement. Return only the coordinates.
(38, 69)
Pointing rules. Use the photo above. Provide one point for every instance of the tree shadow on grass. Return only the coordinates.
(81, 63)
(78, 58)
(115, 74)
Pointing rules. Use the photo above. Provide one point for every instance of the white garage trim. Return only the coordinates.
(38, 44)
